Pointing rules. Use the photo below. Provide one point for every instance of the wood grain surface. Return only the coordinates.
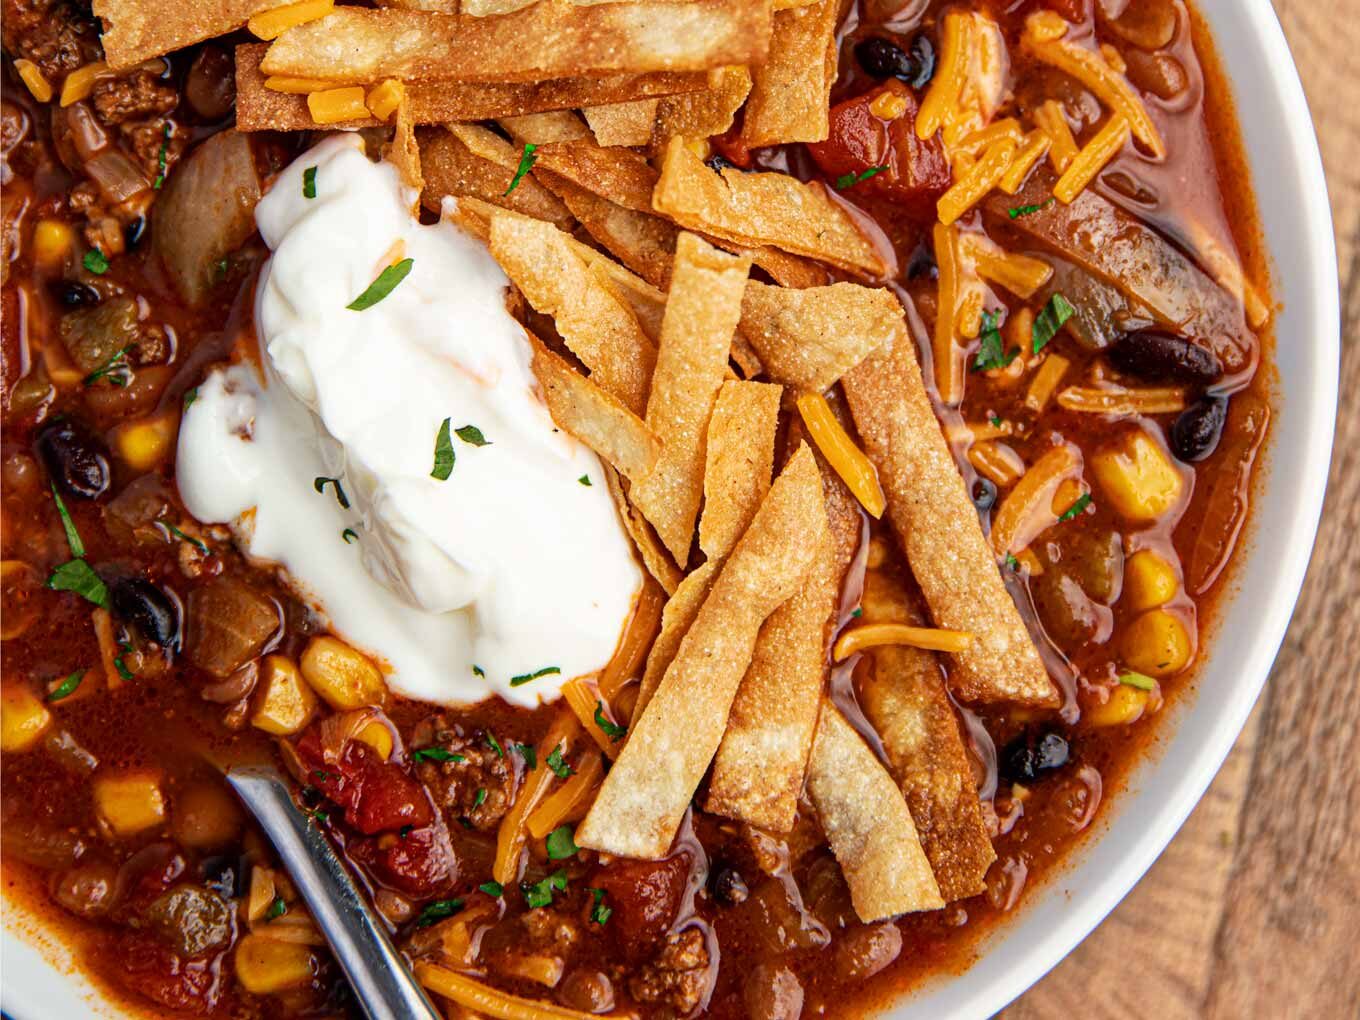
(1253, 912)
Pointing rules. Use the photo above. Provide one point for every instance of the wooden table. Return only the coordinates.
(1253, 912)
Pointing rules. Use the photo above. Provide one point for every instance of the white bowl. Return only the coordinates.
(39, 979)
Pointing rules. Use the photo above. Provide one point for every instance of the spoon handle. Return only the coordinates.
(376, 971)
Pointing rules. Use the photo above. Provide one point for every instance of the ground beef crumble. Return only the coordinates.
(474, 786)
(678, 976)
(55, 36)
(137, 96)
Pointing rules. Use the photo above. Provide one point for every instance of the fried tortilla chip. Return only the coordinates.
(903, 697)
(545, 40)
(937, 526)
(622, 176)
(641, 241)
(262, 109)
(136, 30)
(676, 619)
(791, 92)
(702, 309)
(810, 338)
(598, 326)
(403, 152)
(542, 128)
(867, 823)
(762, 209)
(653, 554)
(450, 167)
(622, 123)
(703, 113)
(472, 8)
(645, 795)
(738, 462)
(597, 419)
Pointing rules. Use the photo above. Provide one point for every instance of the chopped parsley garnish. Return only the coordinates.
(857, 612)
(560, 843)
(1029, 210)
(405, 831)
(529, 753)
(96, 262)
(68, 686)
(115, 369)
(276, 909)
(540, 894)
(492, 888)
(349, 535)
(495, 744)
(611, 730)
(1050, 320)
(1012, 562)
(189, 397)
(599, 913)
(555, 762)
(121, 666)
(319, 484)
(385, 283)
(1140, 680)
(220, 269)
(196, 543)
(472, 435)
(526, 163)
(584, 480)
(161, 157)
(994, 421)
(992, 353)
(69, 526)
(321, 816)
(436, 754)
(437, 911)
(480, 799)
(443, 453)
(477, 670)
(524, 678)
(78, 576)
(850, 180)
(309, 182)
(1083, 501)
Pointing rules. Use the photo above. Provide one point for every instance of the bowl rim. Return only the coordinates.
(26, 1001)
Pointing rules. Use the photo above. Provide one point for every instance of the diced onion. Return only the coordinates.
(116, 175)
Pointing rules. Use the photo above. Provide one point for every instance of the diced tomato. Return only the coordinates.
(420, 863)
(377, 796)
(915, 173)
(732, 148)
(645, 898)
(146, 966)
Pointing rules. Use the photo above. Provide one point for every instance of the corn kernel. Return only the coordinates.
(34, 79)
(1125, 706)
(53, 242)
(1149, 581)
(23, 718)
(1157, 643)
(273, 23)
(888, 105)
(376, 736)
(80, 82)
(699, 146)
(145, 444)
(1045, 26)
(285, 703)
(265, 966)
(130, 802)
(1137, 477)
(384, 99)
(336, 105)
(297, 86)
(206, 816)
(343, 677)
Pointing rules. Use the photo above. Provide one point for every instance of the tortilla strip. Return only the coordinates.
(791, 92)
(643, 242)
(903, 697)
(549, 126)
(545, 40)
(262, 109)
(937, 526)
(702, 114)
(136, 30)
(761, 209)
(702, 309)
(677, 616)
(810, 338)
(645, 795)
(867, 823)
(622, 123)
(598, 326)
(403, 152)
(598, 420)
(451, 168)
(654, 556)
(620, 175)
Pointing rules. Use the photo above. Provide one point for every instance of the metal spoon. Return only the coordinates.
(376, 971)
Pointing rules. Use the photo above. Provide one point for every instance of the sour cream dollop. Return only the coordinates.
(514, 565)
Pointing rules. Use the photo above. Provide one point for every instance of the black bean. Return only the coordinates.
(1196, 431)
(1156, 356)
(882, 58)
(1051, 752)
(75, 459)
(1025, 757)
(226, 875)
(154, 613)
(984, 494)
(134, 232)
(727, 885)
(922, 264)
(718, 163)
(75, 295)
(923, 55)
